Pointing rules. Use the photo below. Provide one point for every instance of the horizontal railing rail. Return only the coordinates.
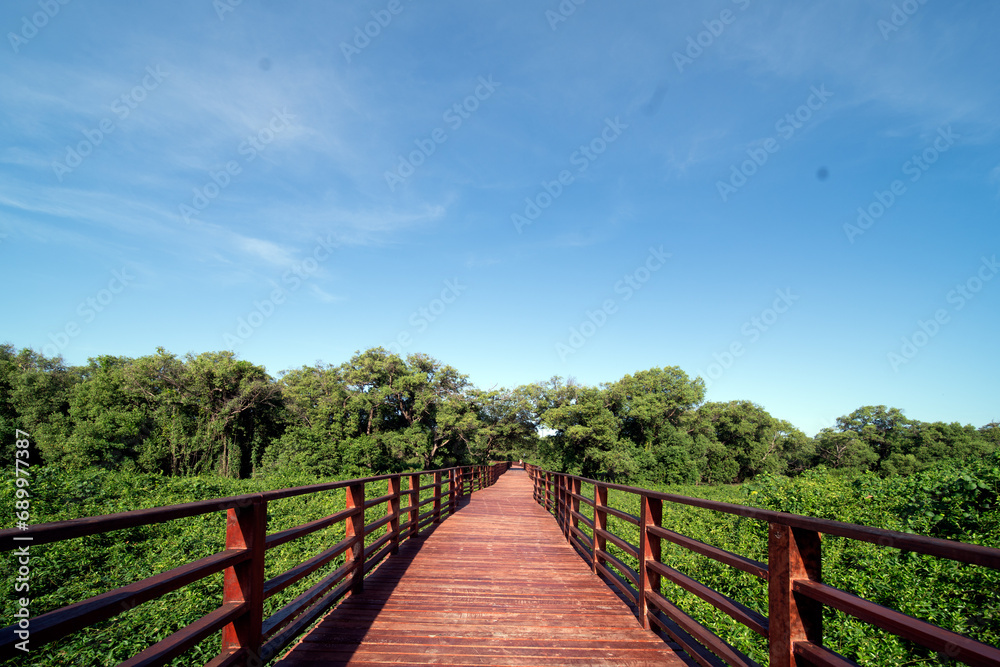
(247, 637)
(797, 596)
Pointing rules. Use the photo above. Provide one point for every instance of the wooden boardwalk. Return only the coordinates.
(515, 595)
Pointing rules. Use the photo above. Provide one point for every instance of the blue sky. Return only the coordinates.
(519, 189)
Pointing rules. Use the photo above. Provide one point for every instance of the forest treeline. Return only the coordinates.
(379, 412)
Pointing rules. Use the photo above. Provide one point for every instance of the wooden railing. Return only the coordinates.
(247, 637)
(797, 595)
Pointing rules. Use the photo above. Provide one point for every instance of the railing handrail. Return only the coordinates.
(974, 554)
(796, 594)
(58, 531)
(248, 638)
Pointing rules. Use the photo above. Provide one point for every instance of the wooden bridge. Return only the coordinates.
(474, 570)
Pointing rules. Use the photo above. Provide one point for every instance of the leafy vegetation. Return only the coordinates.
(950, 501)
(66, 572)
(378, 412)
(122, 433)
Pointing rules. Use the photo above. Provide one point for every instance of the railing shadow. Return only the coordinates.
(337, 636)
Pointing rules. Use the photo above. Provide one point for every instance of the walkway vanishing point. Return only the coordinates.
(515, 594)
(482, 565)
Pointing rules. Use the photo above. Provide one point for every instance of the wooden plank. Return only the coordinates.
(748, 565)
(243, 583)
(355, 529)
(955, 646)
(176, 644)
(651, 515)
(393, 511)
(819, 656)
(61, 622)
(600, 525)
(289, 577)
(706, 637)
(743, 614)
(278, 539)
(793, 555)
(507, 596)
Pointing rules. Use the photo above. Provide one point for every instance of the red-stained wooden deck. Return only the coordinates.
(517, 594)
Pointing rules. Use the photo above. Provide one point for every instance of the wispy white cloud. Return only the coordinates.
(323, 295)
(268, 252)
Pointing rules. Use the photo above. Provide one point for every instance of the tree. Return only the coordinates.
(508, 423)
(38, 389)
(655, 409)
(414, 408)
(991, 433)
(109, 422)
(752, 438)
(844, 450)
(651, 403)
(317, 422)
(883, 429)
(212, 410)
(586, 434)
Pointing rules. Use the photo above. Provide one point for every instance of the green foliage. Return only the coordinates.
(66, 572)
(380, 412)
(956, 502)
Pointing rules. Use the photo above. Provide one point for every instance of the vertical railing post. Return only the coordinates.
(392, 509)
(453, 491)
(414, 502)
(356, 529)
(792, 554)
(564, 488)
(246, 528)
(600, 522)
(548, 489)
(650, 514)
(556, 498)
(574, 506)
(437, 497)
(557, 483)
